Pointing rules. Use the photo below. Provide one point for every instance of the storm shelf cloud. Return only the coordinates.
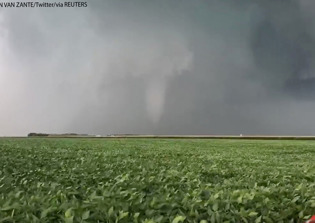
(159, 67)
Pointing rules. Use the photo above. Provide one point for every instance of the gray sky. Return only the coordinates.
(159, 67)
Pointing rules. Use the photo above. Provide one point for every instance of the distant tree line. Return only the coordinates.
(37, 134)
(55, 135)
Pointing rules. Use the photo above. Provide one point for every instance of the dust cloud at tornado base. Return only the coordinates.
(159, 67)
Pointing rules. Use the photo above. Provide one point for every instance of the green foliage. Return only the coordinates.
(147, 180)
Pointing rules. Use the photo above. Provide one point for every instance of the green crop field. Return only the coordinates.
(156, 180)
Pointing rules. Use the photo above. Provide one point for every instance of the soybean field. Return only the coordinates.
(156, 180)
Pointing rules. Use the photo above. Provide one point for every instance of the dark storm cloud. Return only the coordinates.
(159, 67)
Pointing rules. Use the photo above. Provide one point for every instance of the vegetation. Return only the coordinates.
(37, 134)
(148, 180)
